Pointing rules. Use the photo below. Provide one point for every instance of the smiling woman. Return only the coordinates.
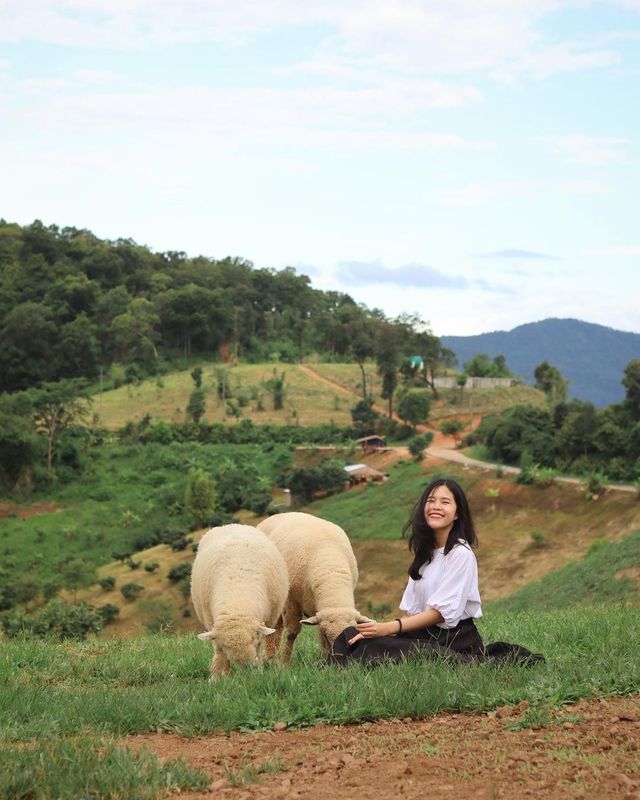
(442, 599)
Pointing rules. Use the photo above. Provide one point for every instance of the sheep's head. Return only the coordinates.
(239, 640)
(333, 621)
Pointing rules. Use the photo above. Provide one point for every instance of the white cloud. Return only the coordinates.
(449, 37)
(99, 76)
(618, 250)
(481, 193)
(577, 148)
(321, 117)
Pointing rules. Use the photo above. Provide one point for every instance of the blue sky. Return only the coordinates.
(476, 162)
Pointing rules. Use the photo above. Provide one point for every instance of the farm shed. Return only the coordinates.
(372, 443)
(360, 473)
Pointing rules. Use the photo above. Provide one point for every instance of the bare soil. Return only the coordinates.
(589, 750)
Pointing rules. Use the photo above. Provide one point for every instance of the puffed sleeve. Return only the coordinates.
(410, 599)
(457, 587)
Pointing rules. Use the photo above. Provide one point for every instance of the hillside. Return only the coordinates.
(313, 394)
(525, 532)
(592, 357)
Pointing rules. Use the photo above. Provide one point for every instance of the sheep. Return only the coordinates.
(322, 574)
(239, 585)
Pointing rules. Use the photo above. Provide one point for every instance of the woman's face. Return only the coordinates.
(440, 511)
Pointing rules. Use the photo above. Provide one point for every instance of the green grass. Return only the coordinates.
(598, 577)
(159, 683)
(79, 769)
(307, 401)
(379, 510)
(126, 492)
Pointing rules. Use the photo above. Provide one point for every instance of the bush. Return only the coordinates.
(419, 444)
(152, 566)
(108, 583)
(199, 495)
(179, 572)
(59, 620)
(130, 591)
(108, 612)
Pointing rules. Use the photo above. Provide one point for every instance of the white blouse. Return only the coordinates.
(449, 584)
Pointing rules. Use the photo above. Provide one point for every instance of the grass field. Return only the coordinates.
(308, 399)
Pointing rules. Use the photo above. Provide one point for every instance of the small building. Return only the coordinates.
(362, 473)
(371, 444)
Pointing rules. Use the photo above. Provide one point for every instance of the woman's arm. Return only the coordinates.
(372, 630)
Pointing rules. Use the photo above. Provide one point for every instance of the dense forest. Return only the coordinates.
(72, 304)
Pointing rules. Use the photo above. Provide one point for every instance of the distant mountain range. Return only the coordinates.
(592, 357)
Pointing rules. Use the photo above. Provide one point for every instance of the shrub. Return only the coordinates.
(200, 495)
(157, 615)
(130, 591)
(108, 612)
(152, 566)
(108, 583)
(419, 444)
(179, 572)
(594, 485)
(59, 620)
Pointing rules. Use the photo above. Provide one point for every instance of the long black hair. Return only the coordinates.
(422, 540)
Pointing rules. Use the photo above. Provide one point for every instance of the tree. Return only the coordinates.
(414, 406)
(364, 416)
(387, 353)
(275, 387)
(200, 495)
(197, 405)
(78, 352)
(19, 441)
(26, 340)
(550, 381)
(631, 382)
(75, 572)
(56, 407)
(481, 366)
(452, 427)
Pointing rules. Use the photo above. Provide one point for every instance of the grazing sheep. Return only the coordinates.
(322, 576)
(239, 585)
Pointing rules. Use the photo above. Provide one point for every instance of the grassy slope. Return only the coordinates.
(308, 400)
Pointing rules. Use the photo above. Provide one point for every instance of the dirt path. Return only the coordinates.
(589, 750)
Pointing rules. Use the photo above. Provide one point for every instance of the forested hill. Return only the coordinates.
(72, 304)
(592, 357)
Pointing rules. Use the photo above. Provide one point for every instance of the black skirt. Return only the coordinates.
(461, 643)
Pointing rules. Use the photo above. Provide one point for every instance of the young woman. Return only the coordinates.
(441, 600)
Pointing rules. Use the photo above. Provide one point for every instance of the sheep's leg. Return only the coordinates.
(291, 616)
(219, 665)
(273, 642)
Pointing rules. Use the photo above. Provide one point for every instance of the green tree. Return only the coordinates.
(414, 406)
(75, 573)
(57, 407)
(275, 387)
(197, 405)
(631, 382)
(19, 442)
(200, 495)
(550, 381)
(27, 337)
(481, 366)
(388, 357)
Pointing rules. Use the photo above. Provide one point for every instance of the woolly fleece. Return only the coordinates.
(239, 585)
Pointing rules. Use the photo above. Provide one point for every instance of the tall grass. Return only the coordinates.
(75, 770)
(159, 683)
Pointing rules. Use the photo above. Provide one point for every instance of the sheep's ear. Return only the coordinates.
(310, 621)
(360, 618)
(207, 635)
(266, 631)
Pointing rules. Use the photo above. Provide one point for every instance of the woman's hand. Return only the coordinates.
(372, 630)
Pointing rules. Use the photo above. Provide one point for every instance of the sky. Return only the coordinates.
(476, 162)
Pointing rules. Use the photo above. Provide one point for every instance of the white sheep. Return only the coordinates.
(322, 575)
(239, 585)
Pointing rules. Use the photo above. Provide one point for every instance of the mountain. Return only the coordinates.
(592, 357)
